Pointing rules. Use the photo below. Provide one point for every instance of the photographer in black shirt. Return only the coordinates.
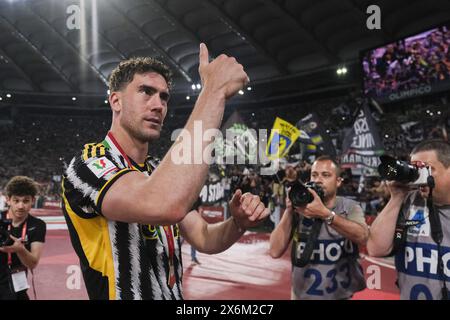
(22, 237)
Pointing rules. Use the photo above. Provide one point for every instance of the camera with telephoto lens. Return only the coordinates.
(5, 239)
(300, 195)
(392, 169)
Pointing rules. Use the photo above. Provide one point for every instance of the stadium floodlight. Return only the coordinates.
(199, 86)
(241, 92)
(249, 88)
(8, 95)
(188, 97)
(193, 86)
(341, 71)
(74, 98)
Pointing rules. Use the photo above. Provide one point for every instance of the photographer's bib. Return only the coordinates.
(333, 271)
(417, 261)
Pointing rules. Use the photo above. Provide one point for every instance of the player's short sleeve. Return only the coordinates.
(88, 178)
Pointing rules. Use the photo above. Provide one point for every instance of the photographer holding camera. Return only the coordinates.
(21, 239)
(326, 231)
(415, 224)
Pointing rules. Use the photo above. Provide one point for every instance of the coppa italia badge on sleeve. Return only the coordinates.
(102, 166)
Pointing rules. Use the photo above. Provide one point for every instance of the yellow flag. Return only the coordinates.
(282, 137)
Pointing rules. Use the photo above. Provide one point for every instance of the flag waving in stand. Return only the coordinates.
(318, 140)
(282, 138)
(362, 146)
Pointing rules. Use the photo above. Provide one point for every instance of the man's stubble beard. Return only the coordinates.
(329, 196)
(137, 134)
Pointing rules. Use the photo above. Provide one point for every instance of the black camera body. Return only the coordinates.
(300, 196)
(5, 239)
(392, 169)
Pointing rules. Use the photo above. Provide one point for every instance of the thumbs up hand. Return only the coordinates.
(222, 75)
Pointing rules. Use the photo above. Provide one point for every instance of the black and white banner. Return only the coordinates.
(362, 146)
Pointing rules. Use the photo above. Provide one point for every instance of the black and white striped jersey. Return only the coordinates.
(118, 260)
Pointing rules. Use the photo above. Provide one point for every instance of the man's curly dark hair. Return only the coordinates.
(124, 73)
(21, 186)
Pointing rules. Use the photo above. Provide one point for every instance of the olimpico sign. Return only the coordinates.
(410, 93)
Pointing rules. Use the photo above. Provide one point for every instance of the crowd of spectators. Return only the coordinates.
(408, 64)
(41, 145)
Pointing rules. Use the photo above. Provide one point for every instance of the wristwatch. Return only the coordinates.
(329, 220)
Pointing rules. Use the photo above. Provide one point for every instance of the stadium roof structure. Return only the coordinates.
(286, 46)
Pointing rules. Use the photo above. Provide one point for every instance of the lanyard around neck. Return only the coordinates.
(112, 140)
(24, 232)
(119, 148)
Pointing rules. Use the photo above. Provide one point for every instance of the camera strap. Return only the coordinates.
(308, 238)
(437, 235)
(400, 233)
(435, 221)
